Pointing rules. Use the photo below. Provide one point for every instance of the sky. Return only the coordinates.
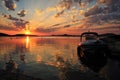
(59, 16)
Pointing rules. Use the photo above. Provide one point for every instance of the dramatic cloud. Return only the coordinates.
(104, 6)
(62, 15)
(10, 4)
(101, 19)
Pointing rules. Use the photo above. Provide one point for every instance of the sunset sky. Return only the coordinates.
(59, 16)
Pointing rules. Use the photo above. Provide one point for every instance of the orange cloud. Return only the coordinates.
(82, 12)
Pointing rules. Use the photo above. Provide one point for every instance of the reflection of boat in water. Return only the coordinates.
(93, 52)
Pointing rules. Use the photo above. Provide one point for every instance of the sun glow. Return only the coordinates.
(27, 32)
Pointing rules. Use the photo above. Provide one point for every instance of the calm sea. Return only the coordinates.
(50, 58)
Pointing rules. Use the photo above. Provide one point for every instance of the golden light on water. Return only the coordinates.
(27, 42)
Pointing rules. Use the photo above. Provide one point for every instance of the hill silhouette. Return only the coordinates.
(7, 35)
(4, 34)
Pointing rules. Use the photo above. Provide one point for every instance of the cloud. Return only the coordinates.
(82, 12)
(66, 26)
(92, 22)
(38, 12)
(22, 13)
(45, 30)
(52, 28)
(104, 17)
(113, 5)
(65, 4)
(95, 10)
(56, 25)
(10, 17)
(7, 27)
(10, 4)
(104, 12)
(59, 14)
(107, 27)
(19, 23)
(104, 6)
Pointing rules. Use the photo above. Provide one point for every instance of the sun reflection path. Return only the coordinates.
(27, 41)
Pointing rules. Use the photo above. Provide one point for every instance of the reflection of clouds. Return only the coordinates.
(57, 54)
(13, 46)
(38, 58)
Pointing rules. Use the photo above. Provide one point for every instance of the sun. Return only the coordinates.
(27, 32)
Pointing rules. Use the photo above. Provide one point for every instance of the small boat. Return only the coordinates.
(92, 52)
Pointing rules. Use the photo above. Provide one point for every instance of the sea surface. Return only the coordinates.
(52, 58)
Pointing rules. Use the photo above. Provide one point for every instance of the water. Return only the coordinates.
(51, 58)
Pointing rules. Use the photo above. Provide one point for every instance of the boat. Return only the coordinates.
(92, 52)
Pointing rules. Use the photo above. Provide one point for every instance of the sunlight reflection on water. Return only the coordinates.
(49, 58)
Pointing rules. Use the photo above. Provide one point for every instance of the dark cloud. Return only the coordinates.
(45, 30)
(10, 4)
(7, 16)
(55, 25)
(95, 10)
(22, 13)
(59, 14)
(103, 17)
(66, 26)
(105, 12)
(52, 28)
(21, 24)
(106, 6)
(99, 20)
(114, 5)
(10, 17)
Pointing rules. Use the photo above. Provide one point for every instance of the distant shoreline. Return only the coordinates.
(57, 35)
